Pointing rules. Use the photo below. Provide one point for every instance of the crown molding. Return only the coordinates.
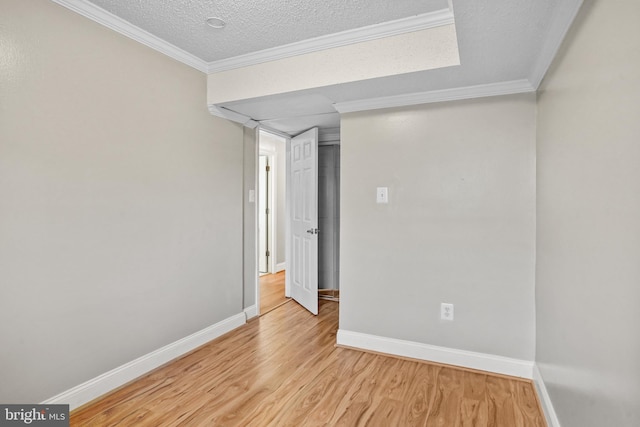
(233, 116)
(277, 132)
(329, 41)
(454, 94)
(119, 25)
(563, 18)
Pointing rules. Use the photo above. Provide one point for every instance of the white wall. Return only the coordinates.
(588, 250)
(120, 209)
(459, 226)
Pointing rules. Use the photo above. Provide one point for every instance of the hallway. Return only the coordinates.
(272, 291)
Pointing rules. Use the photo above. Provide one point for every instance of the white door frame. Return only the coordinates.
(272, 232)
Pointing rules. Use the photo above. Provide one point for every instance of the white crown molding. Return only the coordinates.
(96, 387)
(450, 356)
(545, 399)
(233, 116)
(468, 92)
(562, 20)
(329, 41)
(119, 25)
(277, 132)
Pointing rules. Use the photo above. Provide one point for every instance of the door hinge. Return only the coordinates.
(267, 211)
(268, 253)
(268, 168)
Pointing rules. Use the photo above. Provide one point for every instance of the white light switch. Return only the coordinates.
(382, 195)
(252, 196)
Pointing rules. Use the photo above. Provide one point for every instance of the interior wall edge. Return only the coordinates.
(545, 399)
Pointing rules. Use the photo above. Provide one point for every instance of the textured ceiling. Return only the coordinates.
(254, 25)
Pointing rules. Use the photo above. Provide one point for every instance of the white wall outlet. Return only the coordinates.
(382, 195)
(446, 311)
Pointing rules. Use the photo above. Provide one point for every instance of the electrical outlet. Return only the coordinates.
(446, 311)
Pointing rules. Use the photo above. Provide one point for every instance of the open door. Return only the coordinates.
(302, 186)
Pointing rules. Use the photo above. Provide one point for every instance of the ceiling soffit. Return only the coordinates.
(476, 25)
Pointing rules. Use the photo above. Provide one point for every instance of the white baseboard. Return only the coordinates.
(96, 387)
(251, 312)
(280, 266)
(432, 353)
(545, 400)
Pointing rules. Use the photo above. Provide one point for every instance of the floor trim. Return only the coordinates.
(109, 381)
(251, 312)
(467, 359)
(545, 399)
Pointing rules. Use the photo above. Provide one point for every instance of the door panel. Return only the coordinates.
(304, 219)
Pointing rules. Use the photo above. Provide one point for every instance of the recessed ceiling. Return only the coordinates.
(252, 26)
(503, 45)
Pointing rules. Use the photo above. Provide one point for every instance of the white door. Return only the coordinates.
(303, 220)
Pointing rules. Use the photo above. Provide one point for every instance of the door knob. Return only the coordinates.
(313, 231)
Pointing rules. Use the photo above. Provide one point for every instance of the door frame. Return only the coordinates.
(272, 232)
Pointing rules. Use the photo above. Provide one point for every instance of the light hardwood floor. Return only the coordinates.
(272, 291)
(284, 369)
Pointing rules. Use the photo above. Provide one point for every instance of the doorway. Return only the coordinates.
(329, 220)
(271, 173)
(271, 220)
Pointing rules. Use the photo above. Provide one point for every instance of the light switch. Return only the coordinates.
(382, 195)
(252, 196)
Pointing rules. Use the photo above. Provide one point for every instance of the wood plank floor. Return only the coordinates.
(283, 369)
(272, 291)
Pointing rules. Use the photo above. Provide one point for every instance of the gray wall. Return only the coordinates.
(588, 251)
(250, 269)
(459, 226)
(328, 216)
(120, 214)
